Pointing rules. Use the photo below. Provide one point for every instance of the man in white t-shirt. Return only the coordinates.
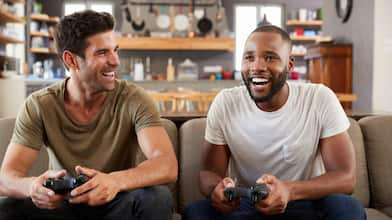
(290, 136)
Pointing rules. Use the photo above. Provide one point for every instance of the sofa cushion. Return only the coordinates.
(374, 214)
(361, 192)
(377, 132)
(191, 154)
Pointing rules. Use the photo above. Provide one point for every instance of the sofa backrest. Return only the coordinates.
(361, 191)
(377, 133)
(192, 152)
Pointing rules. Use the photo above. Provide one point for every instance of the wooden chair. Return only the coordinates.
(165, 101)
(188, 101)
(207, 98)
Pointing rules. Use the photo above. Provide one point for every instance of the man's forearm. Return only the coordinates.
(155, 171)
(15, 186)
(321, 186)
(208, 181)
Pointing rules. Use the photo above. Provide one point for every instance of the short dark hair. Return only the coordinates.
(73, 30)
(274, 29)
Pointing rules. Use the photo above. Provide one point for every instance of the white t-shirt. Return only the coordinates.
(283, 143)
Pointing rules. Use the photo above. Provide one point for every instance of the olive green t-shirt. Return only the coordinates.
(107, 144)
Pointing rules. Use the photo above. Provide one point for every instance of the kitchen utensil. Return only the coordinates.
(163, 20)
(190, 19)
(126, 24)
(204, 24)
(138, 24)
(199, 12)
(181, 21)
(219, 11)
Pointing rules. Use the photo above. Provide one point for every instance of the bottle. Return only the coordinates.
(170, 70)
(139, 70)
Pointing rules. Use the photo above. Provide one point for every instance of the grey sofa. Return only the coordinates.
(372, 138)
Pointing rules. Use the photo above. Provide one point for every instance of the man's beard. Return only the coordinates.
(276, 85)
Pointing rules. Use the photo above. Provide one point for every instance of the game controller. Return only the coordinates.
(255, 193)
(65, 185)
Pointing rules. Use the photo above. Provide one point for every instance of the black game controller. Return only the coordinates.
(65, 185)
(255, 193)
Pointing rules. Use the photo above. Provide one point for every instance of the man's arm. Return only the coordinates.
(214, 167)
(17, 160)
(339, 160)
(161, 166)
(212, 178)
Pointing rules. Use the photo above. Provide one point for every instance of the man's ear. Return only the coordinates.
(290, 65)
(70, 60)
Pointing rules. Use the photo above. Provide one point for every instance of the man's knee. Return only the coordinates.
(201, 209)
(156, 197)
(339, 205)
(9, 208)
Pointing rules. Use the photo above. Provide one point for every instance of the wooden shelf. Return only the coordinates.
(40, 34)
(42, 50)
(44, 18)
(196, 43)
(9, 40)
(304, 38)
(304, 23)
(298, 54)
(16, 1)
(7, 17)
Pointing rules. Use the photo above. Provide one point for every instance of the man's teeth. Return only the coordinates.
(259, 80)
(108, 74)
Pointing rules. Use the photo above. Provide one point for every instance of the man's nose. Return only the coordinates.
(259, 64)
(114, 60)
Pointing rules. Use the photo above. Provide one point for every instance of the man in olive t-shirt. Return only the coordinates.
(92, 124)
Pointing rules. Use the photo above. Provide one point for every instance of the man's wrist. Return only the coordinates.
(211, 189)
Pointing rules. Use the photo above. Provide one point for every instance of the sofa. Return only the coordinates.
(372, 138)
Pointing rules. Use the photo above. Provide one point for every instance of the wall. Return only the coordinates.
(382, 77)
(358, 30)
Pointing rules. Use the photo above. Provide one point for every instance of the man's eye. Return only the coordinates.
(268, 58)
(248, 58)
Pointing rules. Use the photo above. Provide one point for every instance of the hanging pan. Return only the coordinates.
(138, 24)
(204, 24)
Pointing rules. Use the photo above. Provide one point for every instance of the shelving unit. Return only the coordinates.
(301, 41)
(196, 43)
(40, 39)
(9, 62)
(47, 21)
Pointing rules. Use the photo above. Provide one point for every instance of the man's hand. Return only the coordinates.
(99, 189)
(218, 199)
(278, 197)
(43, 197)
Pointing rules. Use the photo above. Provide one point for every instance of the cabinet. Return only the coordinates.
(331, 64)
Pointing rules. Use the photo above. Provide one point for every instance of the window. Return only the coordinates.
(247, 17)
(74, 6)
